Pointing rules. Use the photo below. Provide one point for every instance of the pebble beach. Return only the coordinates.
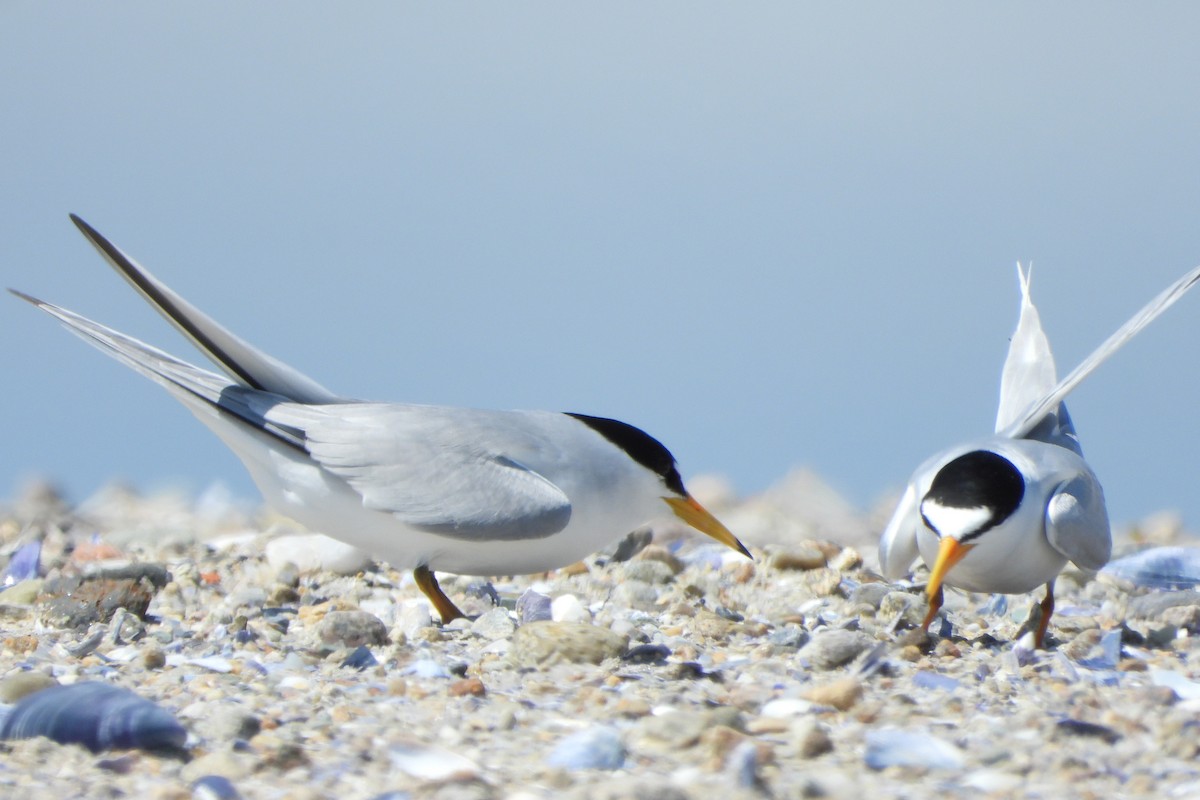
(284, 665)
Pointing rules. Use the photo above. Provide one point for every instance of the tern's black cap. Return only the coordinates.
(980, 479)
(640, 446)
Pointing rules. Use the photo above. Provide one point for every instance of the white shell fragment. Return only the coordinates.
(910, 747)
(431, 763)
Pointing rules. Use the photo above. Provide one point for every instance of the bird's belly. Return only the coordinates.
(1005, 565)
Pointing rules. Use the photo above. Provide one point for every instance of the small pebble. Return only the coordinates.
(811, 738)
(1076, 727)
(542, 644)
(494, 624)
(467, 687)
(533, 607)
(652, 572)
(20, 684)
(841, 694)
(798, 558)
(567, 608)
(834, 648)
(360, 658)
(598, 747)
(352, 629)
(647, 654)
(1153, 606)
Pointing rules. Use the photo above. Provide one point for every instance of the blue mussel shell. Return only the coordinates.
(98, 716)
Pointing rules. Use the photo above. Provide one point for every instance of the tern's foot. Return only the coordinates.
(428, 585)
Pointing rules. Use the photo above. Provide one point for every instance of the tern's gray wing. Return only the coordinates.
(1077, 522)
(204, 393)
(239, 359)
(898, 545)
(455, 472)
(1026, 422)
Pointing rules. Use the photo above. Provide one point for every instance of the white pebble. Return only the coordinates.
(431, 763)
(567, 608)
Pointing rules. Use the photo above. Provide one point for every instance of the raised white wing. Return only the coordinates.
(1029, 373)
(1024, 423)
(1077, 522)
(239, 359)
(1029, 367)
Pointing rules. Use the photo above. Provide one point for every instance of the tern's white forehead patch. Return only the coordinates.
(954, 521)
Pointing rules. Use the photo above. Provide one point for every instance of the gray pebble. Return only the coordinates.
(288, 574)
(599, 747)
(789, 636)
(648, 571)
(352, 629)
(636, 594)
(870, 594)
(811, 738)
(743, 765)
(831, 649)
(493, 625)
(683, 728)
(909, 608)
(624, 789)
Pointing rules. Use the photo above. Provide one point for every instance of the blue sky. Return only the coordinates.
(774, 236)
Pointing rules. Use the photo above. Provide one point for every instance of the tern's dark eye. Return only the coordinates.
(640, 446)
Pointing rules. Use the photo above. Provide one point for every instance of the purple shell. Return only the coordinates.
(24, 564)
(98, 716)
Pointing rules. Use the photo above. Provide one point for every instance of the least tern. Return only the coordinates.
(421, 487)
(1004, 514)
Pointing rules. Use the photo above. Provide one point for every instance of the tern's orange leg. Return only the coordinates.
(1047, 610)
(935, 605)
(428, 584)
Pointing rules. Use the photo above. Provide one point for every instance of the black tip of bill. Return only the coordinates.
(696, 515)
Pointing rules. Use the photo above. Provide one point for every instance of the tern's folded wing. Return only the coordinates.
(432, 469)
(898, 545)
(1077, 522)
